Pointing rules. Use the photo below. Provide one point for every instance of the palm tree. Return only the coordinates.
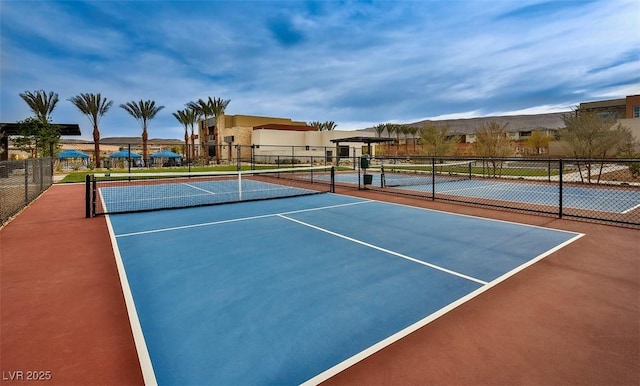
(404, 129)
(330, 125)
(413, 131)
(94, 107)
(188, 117)
(181, 116)
(205, 109)
(379, 128)
(316, 124)
(219, 106)
(143, 111)
(41, 103)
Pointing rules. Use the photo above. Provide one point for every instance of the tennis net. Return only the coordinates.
(109, 193)
(394, 175)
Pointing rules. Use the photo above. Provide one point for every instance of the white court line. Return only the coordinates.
(195, 187)
(385, 250)
(330, 372)
(631, 209)
(236, 219)
(148, 374)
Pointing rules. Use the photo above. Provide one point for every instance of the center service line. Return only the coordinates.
(385, 250)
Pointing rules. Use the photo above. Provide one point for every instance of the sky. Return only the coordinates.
(356, 63)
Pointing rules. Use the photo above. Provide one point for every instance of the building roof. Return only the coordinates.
(65, 128)
(362, 139)
(278, 126)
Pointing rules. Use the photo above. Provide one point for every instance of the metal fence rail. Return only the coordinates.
(21, 182)
(600, 190)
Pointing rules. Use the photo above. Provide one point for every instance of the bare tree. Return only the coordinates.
(436, 140)
(589, 135)
(492, 141)
(538, 141)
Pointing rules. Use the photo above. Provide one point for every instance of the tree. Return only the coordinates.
(330, 125)
(436, 140)
(316, 124)
(219, 106)
(187, 117)
(589, 135)
(413, 130)
(94, 107)
(143, 112)
(323, 126)
(192, 118)
(41, 103)
(493, 141)
(628, 144)
(39, 139)
(379, 128)
(538, 141)
(204, 109)
(404, 129)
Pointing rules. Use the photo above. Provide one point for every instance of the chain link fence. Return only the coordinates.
(22, 182)
(600, 190)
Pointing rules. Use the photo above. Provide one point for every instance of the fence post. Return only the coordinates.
(26, 181)
(433, 178)
(238, 152)
(253, 157)
(87, 196)
(41, 182)
(560, 178)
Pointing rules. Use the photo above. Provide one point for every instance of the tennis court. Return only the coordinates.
(295, 290)
(599, 199)
(570, 318)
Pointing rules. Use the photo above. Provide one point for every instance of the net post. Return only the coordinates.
(94, 194)
(240, 186)
(332, 188)
(87, 195)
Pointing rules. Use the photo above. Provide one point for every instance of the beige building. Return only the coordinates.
(269, 138)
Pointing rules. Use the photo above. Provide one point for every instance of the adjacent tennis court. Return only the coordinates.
(294, 290)
(462, 185)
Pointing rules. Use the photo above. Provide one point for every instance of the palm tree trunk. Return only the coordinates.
(186, 142)
(193, 144)
(96, 145)
(216, 137)
(145, 136)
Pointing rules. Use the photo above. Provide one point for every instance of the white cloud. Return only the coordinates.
(357, 64)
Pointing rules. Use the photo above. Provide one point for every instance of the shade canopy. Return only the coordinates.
(125, 154)
(165, 154)
(72, 153)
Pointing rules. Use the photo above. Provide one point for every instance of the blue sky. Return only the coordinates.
(357, 63)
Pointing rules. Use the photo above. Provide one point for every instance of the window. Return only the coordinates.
(608, 114)
(636, 111)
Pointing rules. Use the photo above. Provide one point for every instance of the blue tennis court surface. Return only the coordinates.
(294, 290)
(586, 198)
